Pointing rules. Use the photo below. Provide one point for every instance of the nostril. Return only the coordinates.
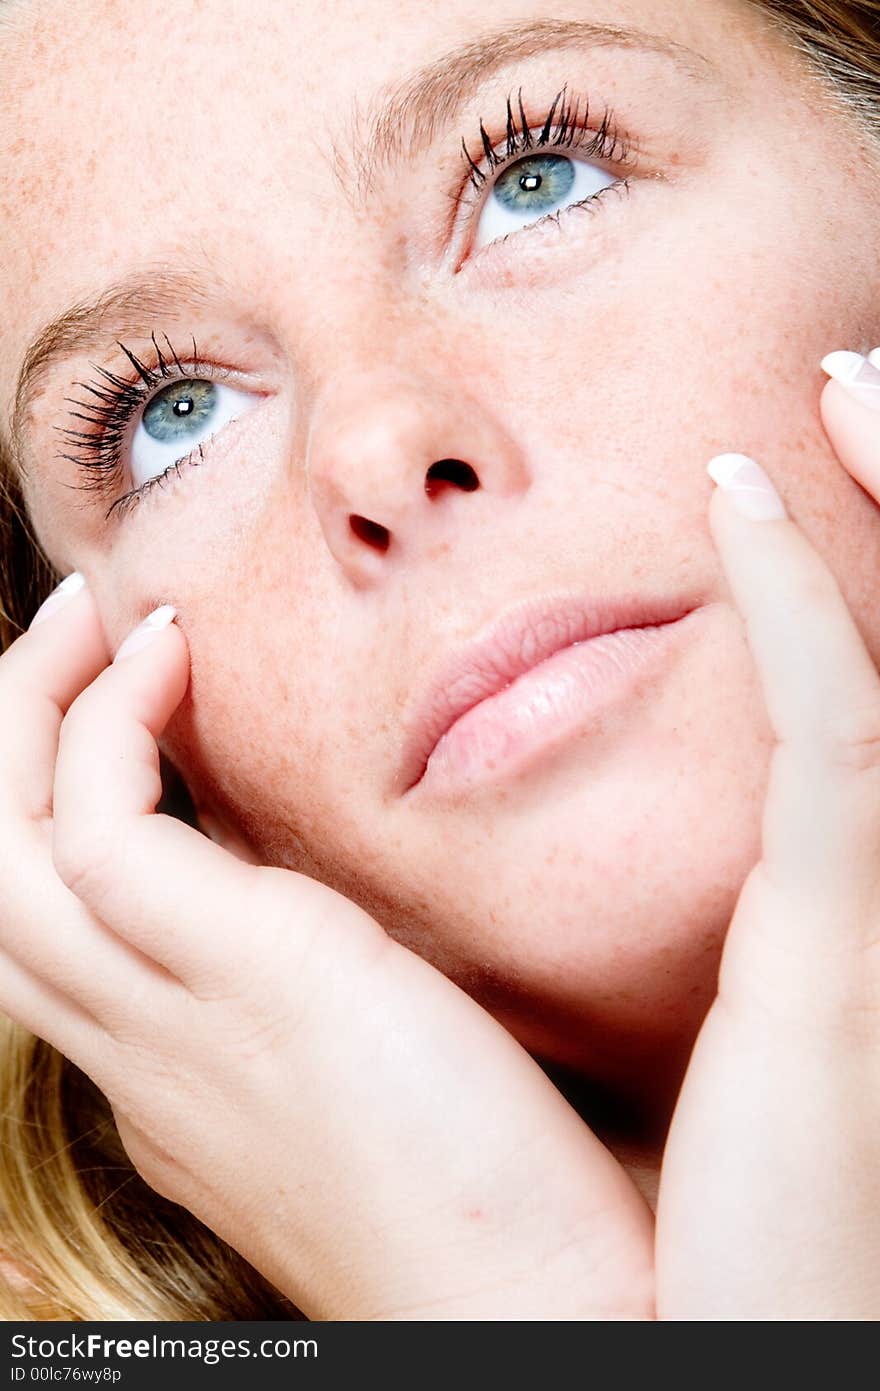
(375, 535)
(453, 471)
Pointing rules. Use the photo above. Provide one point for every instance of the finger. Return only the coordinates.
(156, 882)
(41, 674)
(850, 411)
(821, 825)
(47, 935)
(54, 952)
(46, 931)
(46, 1012)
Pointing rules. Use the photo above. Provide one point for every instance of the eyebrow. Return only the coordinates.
(151, 291)
(408, 114)
(403, 119)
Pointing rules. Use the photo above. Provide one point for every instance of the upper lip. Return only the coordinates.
(524, 635)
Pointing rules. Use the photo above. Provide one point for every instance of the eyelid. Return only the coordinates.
(621, 150)
(139, 493)
(115, 406)
(105, 409)
(567, 119)
(473, 204)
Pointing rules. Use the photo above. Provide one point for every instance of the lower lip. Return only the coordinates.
(544, 706)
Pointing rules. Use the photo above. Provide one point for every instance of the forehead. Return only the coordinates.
(135, 104)
(130, 131)
(212, 133)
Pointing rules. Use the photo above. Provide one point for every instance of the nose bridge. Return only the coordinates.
(357, 316)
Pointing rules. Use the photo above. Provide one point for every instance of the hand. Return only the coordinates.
(333, 1107)
(769, 1199)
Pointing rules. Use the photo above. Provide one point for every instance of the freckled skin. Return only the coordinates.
(586, 377)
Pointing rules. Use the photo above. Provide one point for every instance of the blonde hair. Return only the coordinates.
(94, 1239)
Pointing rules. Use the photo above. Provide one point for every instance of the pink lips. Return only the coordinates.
(520, 639)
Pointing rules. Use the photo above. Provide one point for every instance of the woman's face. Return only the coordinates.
(287, 188)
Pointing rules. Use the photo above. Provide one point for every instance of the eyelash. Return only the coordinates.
(117, 401)
(607, 142)
(111, 413)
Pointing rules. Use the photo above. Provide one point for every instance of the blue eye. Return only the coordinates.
(177, 420)
(533, 187)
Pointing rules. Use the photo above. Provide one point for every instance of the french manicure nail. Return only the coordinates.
(145, 632)
(59, 597)
(857, 374)
(748, 487)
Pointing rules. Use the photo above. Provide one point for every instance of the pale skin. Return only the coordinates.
(269, 992)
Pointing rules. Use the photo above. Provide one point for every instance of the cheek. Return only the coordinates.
(259, 724)
(705, 338)
(245, 737)
(240, 560)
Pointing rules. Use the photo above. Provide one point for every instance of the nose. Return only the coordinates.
(397, 464)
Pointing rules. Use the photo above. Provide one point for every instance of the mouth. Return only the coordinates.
(528, 680)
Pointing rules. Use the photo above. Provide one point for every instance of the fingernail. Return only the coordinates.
(146, 631)
(59, 597)
(748, 487)
(857, 374)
